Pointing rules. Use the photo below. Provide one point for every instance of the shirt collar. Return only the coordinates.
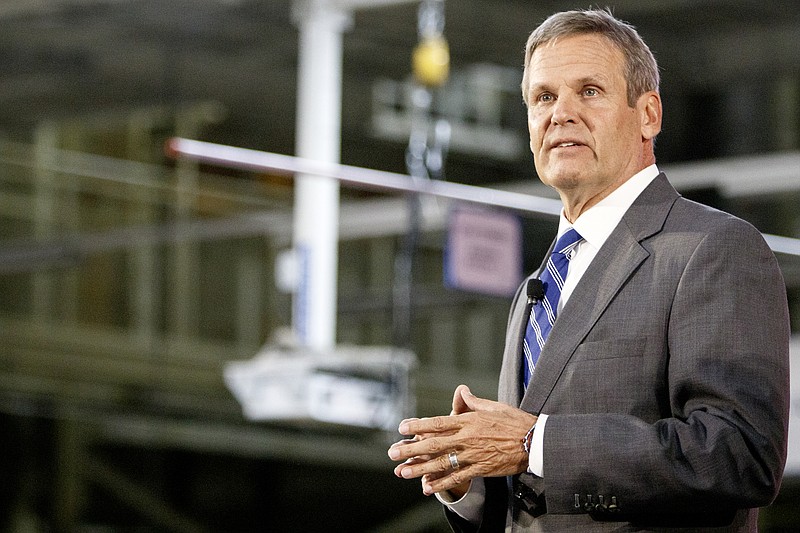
(597, 222)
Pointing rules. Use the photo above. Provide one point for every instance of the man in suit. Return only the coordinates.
(660, 398)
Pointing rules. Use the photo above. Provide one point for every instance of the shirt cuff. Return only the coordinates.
(536, 457)
(470, 505)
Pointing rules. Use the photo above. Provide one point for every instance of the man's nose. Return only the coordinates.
(565, 109)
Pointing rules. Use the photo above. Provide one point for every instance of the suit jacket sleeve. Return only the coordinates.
(494, 510)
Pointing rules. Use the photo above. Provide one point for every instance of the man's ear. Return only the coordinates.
(649, 105)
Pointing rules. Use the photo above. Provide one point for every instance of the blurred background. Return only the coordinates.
(132, 282)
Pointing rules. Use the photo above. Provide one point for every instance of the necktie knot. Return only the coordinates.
(566, 244)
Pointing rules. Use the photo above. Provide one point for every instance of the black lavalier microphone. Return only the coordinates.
(535, 290)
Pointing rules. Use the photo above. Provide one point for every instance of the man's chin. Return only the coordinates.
(564, 180)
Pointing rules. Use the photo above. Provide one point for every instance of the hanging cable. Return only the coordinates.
(427, 149)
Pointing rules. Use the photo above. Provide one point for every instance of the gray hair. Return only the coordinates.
(641, 70)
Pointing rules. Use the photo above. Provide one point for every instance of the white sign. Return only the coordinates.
(483, 252)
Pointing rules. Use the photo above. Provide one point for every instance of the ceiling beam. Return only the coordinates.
(12, 8)
(365, 4)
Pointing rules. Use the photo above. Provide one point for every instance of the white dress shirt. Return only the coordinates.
(594, 225)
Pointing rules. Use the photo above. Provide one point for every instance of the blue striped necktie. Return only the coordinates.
(543, 313)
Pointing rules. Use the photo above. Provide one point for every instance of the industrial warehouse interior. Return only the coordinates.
(144, 294)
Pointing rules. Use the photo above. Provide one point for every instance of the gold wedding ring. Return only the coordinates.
(453, 460)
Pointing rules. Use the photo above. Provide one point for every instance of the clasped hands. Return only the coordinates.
(480, 438)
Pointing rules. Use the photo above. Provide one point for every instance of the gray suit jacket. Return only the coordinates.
(665, 379)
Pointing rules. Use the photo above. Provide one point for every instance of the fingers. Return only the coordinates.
(437, 474)
(398, 470)
(427, 451)
(450, 492)
(456, 482)
(412, 448)
(420, 466)
(404, 426)
(432, 425)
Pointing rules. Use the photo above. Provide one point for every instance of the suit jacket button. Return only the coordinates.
(613, 507)
(588, 506)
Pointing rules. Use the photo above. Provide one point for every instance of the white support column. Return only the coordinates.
(321, 24)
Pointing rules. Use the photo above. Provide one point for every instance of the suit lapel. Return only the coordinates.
(614, 263)
(510, 384)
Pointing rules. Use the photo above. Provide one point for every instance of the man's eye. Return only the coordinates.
(590, 92)
(545, 98)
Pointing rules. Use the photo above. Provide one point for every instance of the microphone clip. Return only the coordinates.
(535, 290)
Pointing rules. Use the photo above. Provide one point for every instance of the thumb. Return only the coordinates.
(460, 406)
(474, 403)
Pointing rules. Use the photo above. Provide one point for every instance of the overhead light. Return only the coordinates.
(366, 387)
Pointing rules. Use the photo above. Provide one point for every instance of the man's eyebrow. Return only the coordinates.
(594, 79)
(537, 87)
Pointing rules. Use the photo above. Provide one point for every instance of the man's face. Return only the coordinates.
(585, 139)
